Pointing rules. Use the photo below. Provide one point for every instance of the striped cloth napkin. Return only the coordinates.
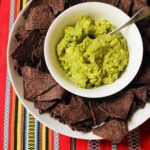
(19, 130)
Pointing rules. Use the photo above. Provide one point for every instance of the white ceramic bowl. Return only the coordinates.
(138, 118)
(96, 11)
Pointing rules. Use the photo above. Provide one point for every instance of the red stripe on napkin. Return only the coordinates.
(64, 142)
(81, 144)
(4, 28)
(145, 136)
(106, 145)
(124, 144)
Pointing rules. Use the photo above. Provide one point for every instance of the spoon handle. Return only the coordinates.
(141, 14)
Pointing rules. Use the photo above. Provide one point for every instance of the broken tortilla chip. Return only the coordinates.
(24, 49)
(75, 111)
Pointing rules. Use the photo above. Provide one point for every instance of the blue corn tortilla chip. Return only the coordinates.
(114, 130)
(35, 82)
(112, 2)
(44, 106)
(125, 5)
(38, 51)
(74, 112)
(24, 49)
(22, 33)
(99, 116)
(84, 126)
(141, 93)
(32, 5)
(40, 17)
(138, 4)
(143, 77)
(57, 5)
(117, 106)
(56, 92)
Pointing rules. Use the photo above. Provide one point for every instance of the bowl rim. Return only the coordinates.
(145, 117)
(82, 91)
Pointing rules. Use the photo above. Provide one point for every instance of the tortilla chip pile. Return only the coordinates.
(105, 117)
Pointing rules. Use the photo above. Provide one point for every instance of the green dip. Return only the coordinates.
(90, 58)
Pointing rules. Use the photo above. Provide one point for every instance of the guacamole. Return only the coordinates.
(89, 57)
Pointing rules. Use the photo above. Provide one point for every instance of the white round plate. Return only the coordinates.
(137, 119)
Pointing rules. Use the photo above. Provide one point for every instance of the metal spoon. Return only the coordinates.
(141, 14)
